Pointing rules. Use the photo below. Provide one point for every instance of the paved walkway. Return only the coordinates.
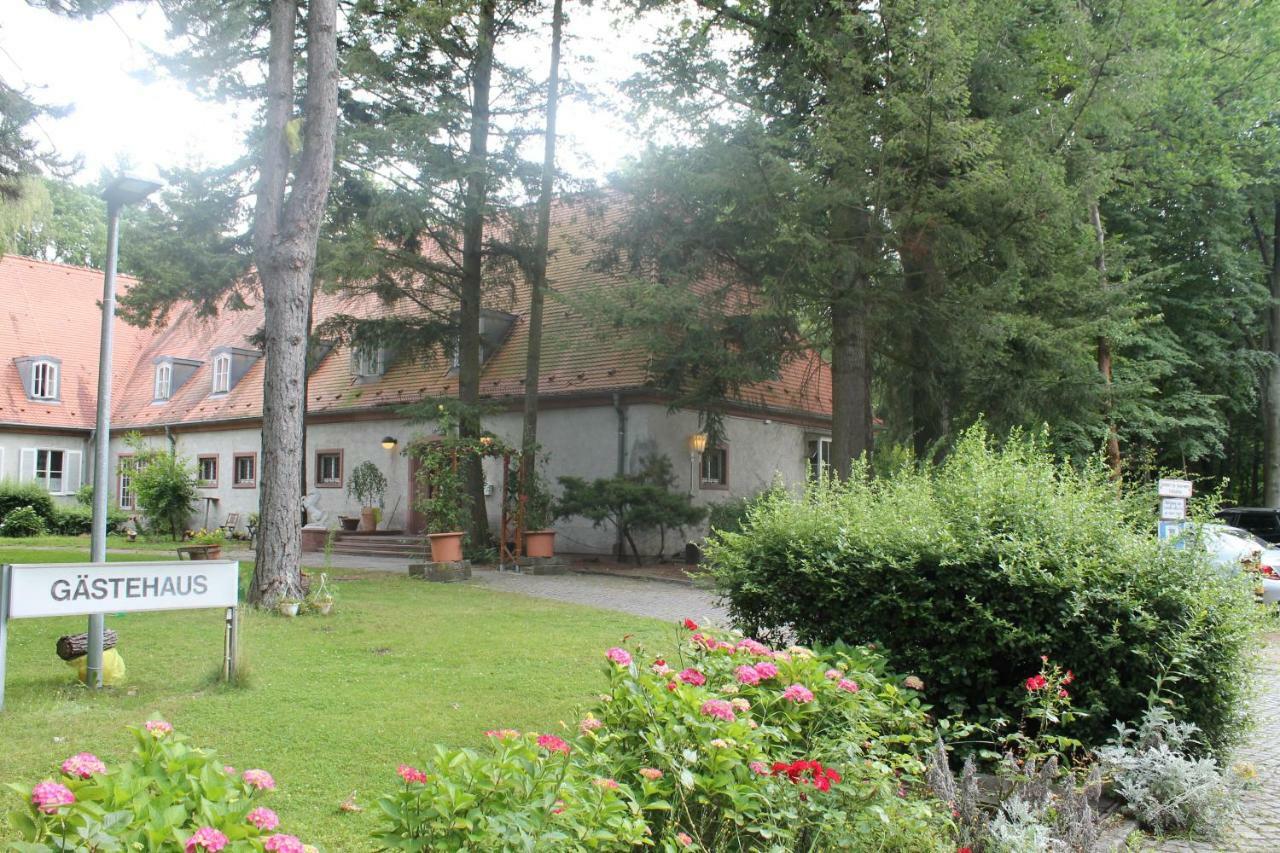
(1257, 830)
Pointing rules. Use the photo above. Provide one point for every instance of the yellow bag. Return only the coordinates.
(112, 667)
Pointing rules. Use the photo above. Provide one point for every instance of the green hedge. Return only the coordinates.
(14, 495)
(969, 572)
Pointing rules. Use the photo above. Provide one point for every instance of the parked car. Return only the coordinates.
(1261, 521)
(1236, 549)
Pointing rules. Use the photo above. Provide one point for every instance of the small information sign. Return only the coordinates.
(1172, 530)
(1173, 509)
(1175, 488)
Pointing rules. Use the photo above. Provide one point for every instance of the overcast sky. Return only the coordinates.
(121, 112)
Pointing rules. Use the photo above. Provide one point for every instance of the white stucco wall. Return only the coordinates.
(579, 441)
(12, 444)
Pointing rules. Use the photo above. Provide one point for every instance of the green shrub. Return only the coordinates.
(23, 521)
(77, 520)
(730, 516)
(967, 573)
(165, 486)
(14, 495)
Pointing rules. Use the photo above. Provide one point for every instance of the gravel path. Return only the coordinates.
(1257, 830)
(657, 599)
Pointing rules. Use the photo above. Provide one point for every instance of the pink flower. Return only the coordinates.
(759, 768)
(753, 647)
(411, 774)
(798, 693)
(692, 676)
(913, 682)
(502, 734)
(661, 668)
(619, 656)
(720, 709)
(689, 624)
(590, 724)
(283, 844)
(651, 773)
(206, 838)
(228, 769)
(158, 728)
(259, 779)
(1036, 682)
(783, 656)
(740, 705)
(551, 743)
(48, 796)
(671, 685)
(607, 784)
(684, 839)
(847, 685)
(833, 674)
(747, 674)
(83, 765)
(766, 669)
(263, 818)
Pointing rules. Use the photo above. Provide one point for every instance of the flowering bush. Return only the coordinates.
(696, 754)
(168, 797)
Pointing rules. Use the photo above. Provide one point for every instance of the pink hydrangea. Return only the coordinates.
(766, 669)
(502, 734)
(759, 768)
(753, 647)
(207, 838)
(48, 796)
(783, 656)
(551, 743)
(263, 818)
(83, 765)
(660, 667)
(590, 724)
(283, 844)
(228, 769)
(684, 839)
(608, 784)
(411, 774)
(259, 779)
(798, 693)
(693, 676)
(653, 774)
(158, 728)
(833, 674)
(619, 656)
(720, 709)
(848, 685)
(740, 705)
(747, 674)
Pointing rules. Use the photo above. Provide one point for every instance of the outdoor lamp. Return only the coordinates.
(698, 442)
(388, 443)
(129, 189)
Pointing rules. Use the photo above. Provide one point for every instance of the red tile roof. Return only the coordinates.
(576, 357)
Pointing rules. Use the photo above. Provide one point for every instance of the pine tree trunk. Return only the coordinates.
(1104, 349)
(538, 283)
(472, 285)
(850, 385)
(920, 280)
(285, 234)
(1271, 385)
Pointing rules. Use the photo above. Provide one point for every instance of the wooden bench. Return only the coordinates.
(197, 552)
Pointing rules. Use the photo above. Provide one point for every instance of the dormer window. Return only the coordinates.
(44, 380)
(41, 377)
(164, 381)
(221, 373)
(368, 362)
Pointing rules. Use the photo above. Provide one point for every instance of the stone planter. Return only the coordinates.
(446, 547)
(540, 543)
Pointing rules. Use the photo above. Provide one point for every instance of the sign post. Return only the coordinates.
(1173, 507)
(75, 589)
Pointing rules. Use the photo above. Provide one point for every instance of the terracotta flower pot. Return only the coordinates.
(367, 520)
(210, 552)
(540, 543)
(446, 547)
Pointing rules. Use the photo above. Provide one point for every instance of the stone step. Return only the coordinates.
(363, 549)
(377, 542)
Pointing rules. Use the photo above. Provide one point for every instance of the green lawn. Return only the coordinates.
(331, 704)
(142, 543)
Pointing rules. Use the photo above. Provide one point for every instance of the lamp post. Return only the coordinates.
(697, 446)
(125, 189)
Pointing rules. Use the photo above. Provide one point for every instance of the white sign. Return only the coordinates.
(76, 589)
(1175, 489)
(1173, 509)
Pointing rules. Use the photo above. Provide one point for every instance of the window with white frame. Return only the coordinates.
(329, 469)
(207, 477)
(715, 468)
(50, 472)
(164, 381)
(819, 457)
(367, 361)
(125, 469)
(44, 380)
(244, 474)
(221, 373)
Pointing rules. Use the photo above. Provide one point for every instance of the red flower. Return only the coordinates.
(1062, 693)
(965, 850)
(1069, 677)
(690, 624)
(820, 777)
(1036, 682)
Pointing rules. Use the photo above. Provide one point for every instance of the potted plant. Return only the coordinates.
(212, 540)
(320, 599)
(539, 539)
(288, 607)
(367, 485)
(443, 498)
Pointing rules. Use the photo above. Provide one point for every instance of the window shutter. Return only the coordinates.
(71, 471)
(27, 465)
(2, 476)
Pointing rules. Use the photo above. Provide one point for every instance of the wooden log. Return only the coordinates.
(72, 646)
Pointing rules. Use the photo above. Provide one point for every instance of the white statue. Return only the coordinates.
(316, 517)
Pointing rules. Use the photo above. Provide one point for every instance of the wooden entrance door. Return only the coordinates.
(417, 520)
